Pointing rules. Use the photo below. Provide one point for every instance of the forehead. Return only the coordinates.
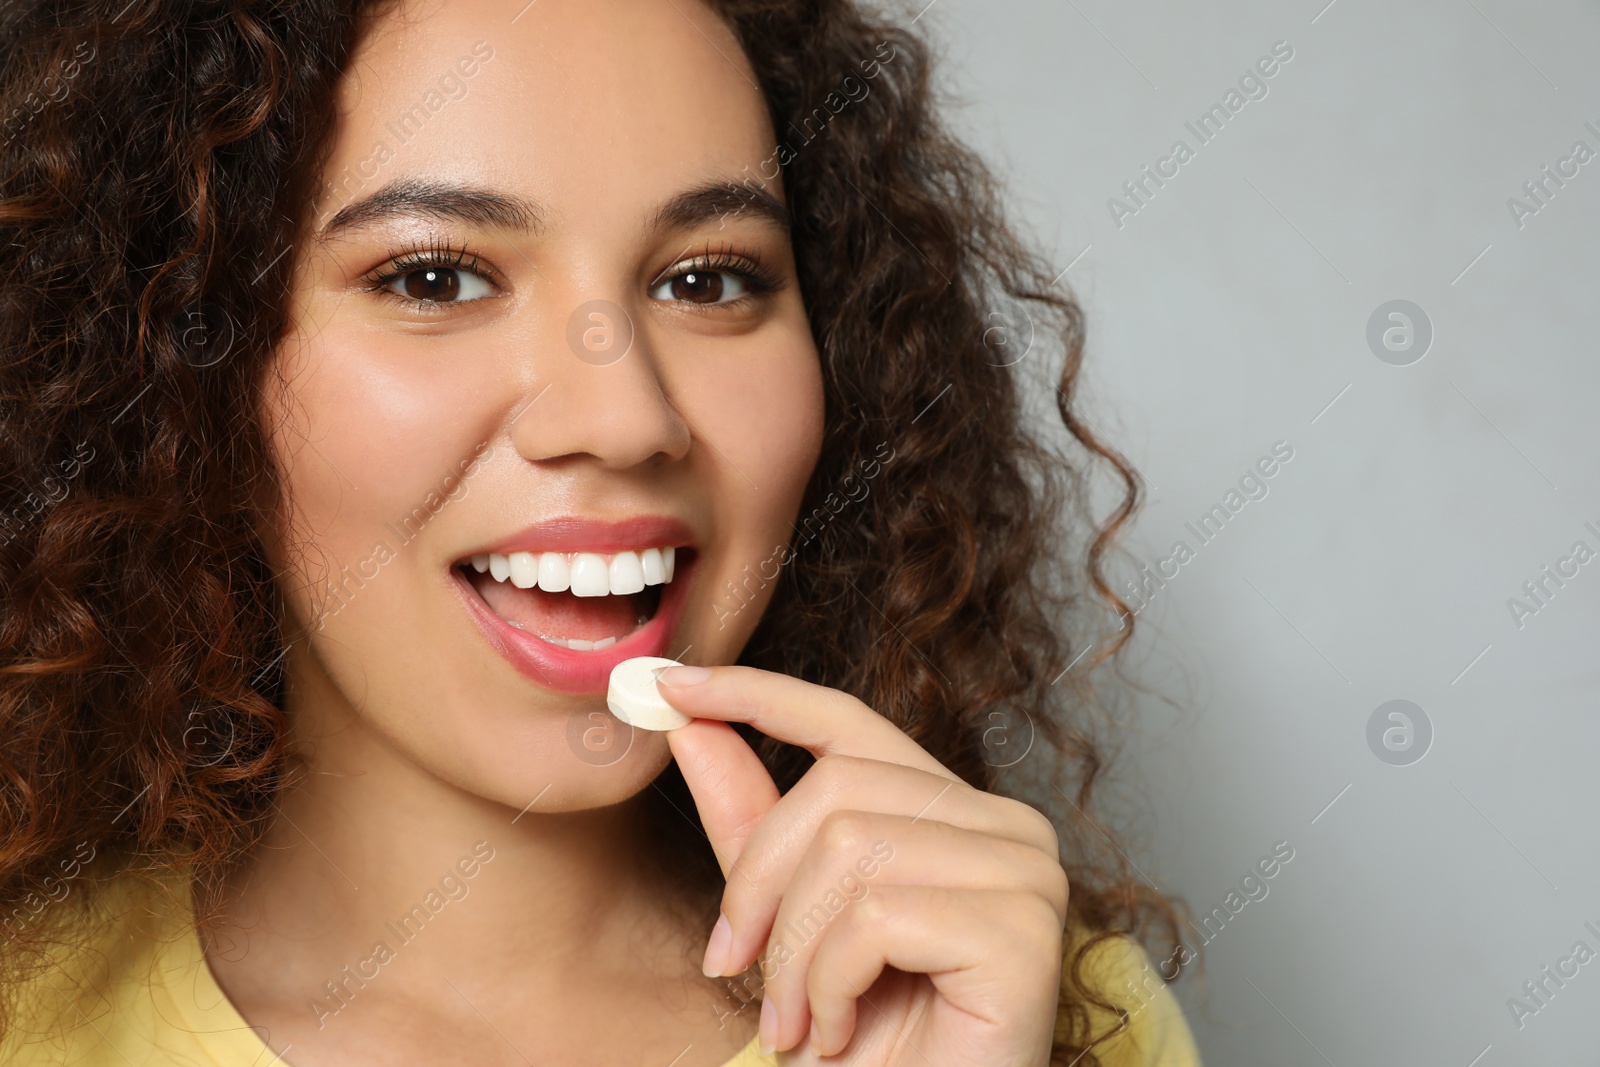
(569, 101)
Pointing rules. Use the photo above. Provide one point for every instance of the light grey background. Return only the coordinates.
(1230, 313)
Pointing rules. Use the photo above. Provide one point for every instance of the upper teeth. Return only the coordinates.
(584, 573)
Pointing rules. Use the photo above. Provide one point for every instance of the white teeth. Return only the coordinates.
(627, 574)
(590, 575)
(555, 576)
(524, 570)
(577, 644)
(584, 573)
(650, 563)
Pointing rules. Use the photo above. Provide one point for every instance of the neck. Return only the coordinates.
(375, 865)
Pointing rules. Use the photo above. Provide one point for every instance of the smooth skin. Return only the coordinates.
(420, 740)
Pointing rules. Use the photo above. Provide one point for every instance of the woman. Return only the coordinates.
(415, 364)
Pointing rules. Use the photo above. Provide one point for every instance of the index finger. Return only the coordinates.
(821, 720)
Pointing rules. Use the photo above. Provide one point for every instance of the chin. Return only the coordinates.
(573, 768)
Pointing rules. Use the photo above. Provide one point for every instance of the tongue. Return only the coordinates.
(588, 618)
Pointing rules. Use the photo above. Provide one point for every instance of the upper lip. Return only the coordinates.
(576, 534)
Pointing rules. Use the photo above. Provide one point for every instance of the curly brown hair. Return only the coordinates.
(149, 195)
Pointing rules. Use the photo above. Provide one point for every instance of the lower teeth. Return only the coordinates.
(578, 644)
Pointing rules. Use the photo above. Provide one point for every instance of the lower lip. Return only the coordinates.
(569, 670)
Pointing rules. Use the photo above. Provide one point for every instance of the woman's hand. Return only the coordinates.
(878, 858)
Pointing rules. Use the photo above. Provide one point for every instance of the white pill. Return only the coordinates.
(634, 698)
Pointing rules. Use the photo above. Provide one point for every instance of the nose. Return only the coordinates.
(603, 396)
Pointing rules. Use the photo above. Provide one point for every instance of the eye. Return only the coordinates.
(431, 274)
(718, 277)
(702, 287)
(439, 284)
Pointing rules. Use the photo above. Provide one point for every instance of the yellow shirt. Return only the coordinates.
(132, 989)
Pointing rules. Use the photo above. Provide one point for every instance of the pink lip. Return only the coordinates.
(568, 670)
(589, 535)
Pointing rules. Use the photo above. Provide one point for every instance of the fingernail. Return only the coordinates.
(717, 948)
(769, 1027)
(683, 675)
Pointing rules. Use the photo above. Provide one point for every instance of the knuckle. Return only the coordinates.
(1059, 889)
(872, 911)
(1039, 828)
(855, 704)
(1034, 916)
(834, 775)
(748, 870)
(844, 832)
(843, 700)
(1046, 878)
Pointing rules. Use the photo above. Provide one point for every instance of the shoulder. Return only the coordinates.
(1147, 1027)
(103, 991)
(97, 938)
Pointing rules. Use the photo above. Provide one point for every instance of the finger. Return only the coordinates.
(821, 720)
(774, 851)
(993, 955)
(731, 787)
(858, 853)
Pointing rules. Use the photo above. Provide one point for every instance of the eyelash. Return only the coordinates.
(759, 278)
(421, 256)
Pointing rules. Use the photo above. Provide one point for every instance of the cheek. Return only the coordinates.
(763, 413)
(367, 434)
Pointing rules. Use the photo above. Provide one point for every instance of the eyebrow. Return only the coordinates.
(427, 198)
(717, 199)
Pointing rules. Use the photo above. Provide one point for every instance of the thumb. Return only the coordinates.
(731, 787)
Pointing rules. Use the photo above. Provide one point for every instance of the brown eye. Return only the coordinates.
(441, 285)
(702, 287)
(435, 283)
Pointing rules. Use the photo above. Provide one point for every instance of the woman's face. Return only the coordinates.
(547, 321)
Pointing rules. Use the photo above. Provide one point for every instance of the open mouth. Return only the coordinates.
(581, 601)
